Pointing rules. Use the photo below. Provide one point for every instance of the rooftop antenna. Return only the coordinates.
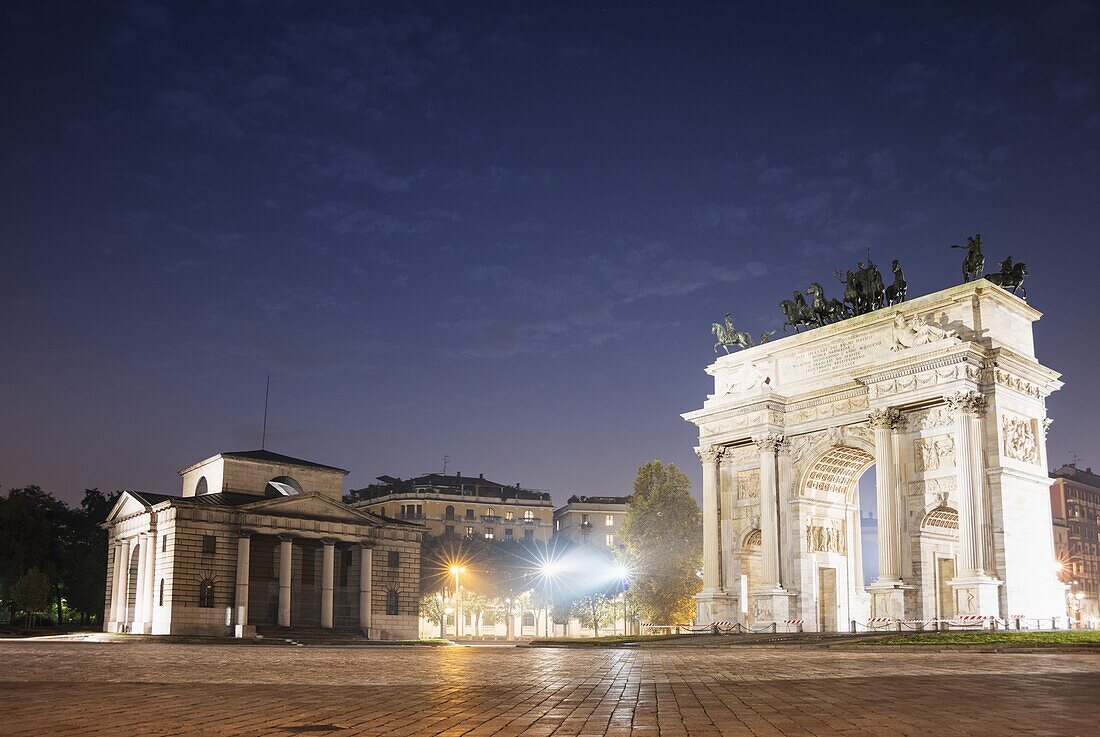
(267, 395)
(446, 458)
(1073, 455)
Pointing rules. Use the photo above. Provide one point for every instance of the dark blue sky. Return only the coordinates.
(499, 232)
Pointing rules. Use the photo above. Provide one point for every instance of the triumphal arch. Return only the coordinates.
(943, 395)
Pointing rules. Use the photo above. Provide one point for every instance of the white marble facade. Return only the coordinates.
(944, 395)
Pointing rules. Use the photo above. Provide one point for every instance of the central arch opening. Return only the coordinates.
(841, 534)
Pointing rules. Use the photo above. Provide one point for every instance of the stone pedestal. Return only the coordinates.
(716, 606)
(889, 600)
(769, 606)
(244, 631)
(977, 595)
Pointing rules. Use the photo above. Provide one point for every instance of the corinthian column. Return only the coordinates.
(885, 423)
(769, 445)
(968, 409)
(712, 554)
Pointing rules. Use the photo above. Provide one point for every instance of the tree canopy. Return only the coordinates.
(66, 544)
(662, 534)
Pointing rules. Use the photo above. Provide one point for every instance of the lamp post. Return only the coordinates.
(457, 570)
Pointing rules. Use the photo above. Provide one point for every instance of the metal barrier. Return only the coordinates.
(962, 622)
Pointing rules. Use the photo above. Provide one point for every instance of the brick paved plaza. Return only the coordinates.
(175, 689)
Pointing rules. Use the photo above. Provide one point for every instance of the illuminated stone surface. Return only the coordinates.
(945, 396)
(170, 689)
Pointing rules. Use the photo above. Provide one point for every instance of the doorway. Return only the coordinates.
(826, 599)
(945, 595)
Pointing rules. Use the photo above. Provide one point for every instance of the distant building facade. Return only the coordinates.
(463, 506)
(591, 520)
(259, 540)
(1075, 508)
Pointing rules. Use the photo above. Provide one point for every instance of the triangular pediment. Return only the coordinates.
(311, 506)
(127, 505)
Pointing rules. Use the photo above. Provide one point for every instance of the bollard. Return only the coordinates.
(853, 626)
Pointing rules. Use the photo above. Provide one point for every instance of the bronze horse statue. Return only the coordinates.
(895, 293)
(974, 263)
(797, 312)
(1011, 277)
(825, 310)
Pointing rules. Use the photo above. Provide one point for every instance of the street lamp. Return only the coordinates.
(457, 570)
(622, 576)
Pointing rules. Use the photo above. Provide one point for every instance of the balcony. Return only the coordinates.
(494, 518)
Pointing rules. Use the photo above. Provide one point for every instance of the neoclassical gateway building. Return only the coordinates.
(944, 396)
(259, 539)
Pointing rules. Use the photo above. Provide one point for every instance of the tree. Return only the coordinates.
(475, 605)
(433, 609)
(593, 610)
(31, 593)
(662, 534)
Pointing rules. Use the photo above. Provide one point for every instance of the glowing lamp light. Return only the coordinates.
(621, 572)
(549, 568)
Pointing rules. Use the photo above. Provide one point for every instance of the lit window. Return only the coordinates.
(609, 520)
(469, 531)
(489, 534)
(528, 515)
(491, 512)
(509, 515)
(584, 519)
(609, 540)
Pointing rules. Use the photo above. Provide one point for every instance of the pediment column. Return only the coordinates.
(241, 626)
(712, 555)
(968, 409)
(328, 560)
(366, 571)
(286, 558)
(769, 446)
(885, 423)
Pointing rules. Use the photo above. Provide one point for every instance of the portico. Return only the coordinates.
(954, 425)
(229, 562)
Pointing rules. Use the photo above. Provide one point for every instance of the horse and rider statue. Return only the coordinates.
(728, 335)
(1010, 277)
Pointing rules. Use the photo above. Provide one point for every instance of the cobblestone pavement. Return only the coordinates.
(51, 688)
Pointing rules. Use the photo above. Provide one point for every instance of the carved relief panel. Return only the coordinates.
(826, 536)
(935, 453)
(748, 484)
(1021, 438)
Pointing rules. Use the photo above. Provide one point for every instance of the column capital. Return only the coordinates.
(286, 538)
(367, 544)
(886, 418)
(770, 442)
(971, 403)
(710, 453)
(244, 533)
(328, 541)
